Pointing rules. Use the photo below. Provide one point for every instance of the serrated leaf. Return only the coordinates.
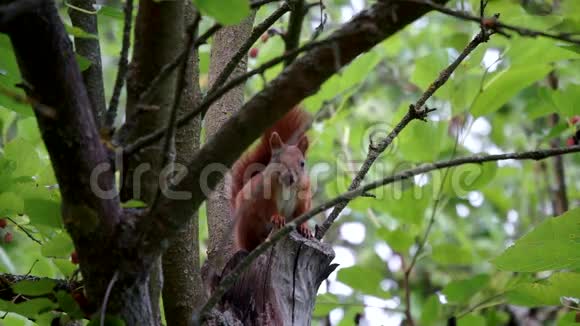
(546, 292)
(34, 287)
(505, 85)
(461, 291)
(227, 12)
(552, 245)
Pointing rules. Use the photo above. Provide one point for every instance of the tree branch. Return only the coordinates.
(123, 65)
(292, 36)
(90, 49)
(497, 26)
(228, 281)
(210, 98)
(416, 111)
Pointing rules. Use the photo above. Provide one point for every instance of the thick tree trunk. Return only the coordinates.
(183, 291)
(158, 39)
(226, 42)
(280, 287)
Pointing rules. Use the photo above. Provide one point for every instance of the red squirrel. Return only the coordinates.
(270, 184)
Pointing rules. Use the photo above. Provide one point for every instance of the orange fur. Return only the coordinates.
(270, 181)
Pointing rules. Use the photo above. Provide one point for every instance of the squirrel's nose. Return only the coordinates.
(289, 179)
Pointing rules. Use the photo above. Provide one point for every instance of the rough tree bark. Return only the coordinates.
(183, 291)
(225, 44)
(280, 287)
(90, 49)
(158, 39)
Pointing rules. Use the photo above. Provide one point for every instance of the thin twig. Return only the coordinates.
(151, 138)
(123, 65)
(497, 26)
(25, 231)
(230, 279)
(416, 111)
(167, 69)
(243, 50)
(106, 298)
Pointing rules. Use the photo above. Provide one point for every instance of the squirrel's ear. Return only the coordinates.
(303, 144)
(276, 142)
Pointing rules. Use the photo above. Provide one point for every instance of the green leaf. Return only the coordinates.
(25, 155)
(552, 245)
(400, 240)
(461, 291)
(68, 304)
(111, 12)
(325, 303)
(428, 68)
(369, 284)
(450, 254)
(79, 32)
(43, 211)
(227, 12)
(11, 204)
(83, 62)
(566, 101)
(134, 204)
(465, 178)
(471, 320)
(61, 246)
(33, 287)
(430, 311)
(546, 292)
(28, 130)
(505, 85)
(30, 308)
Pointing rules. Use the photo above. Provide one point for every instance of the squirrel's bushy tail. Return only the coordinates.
(291, 127)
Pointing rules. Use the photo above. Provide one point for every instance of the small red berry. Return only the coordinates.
(3, 223)
(265, 37)
(575, 119)
(8, 237)
(253, 52)
(74, 258)
(570, 141)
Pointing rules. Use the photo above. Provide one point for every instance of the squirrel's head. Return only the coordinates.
(289, 159)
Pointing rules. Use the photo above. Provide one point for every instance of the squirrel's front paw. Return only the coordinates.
(278, 220)
(304, 231)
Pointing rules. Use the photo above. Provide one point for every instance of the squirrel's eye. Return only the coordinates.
(302, 164)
